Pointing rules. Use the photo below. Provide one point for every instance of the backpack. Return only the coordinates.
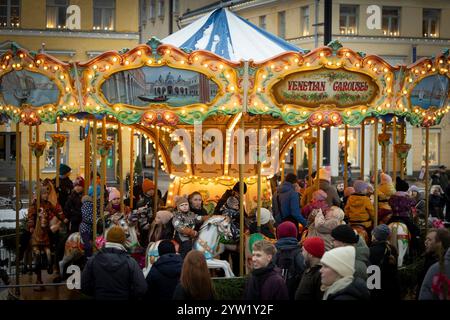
(290, 261)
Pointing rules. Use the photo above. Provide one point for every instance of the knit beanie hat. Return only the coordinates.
(79, 181)
(64, 169)
(164, 216)
(180, 200)
(286, 229)
(266, 216)
(345, 234)
(349, 191)
(401, 185)
(381, 232)
(166, 246)
(324, 174)
(116, 234)
(113, 194)
(385, 178)
(360, 186)
(147, 184)
(341, 260)
(319, 195)
(314, 246)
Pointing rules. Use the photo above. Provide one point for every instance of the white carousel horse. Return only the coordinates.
(207, 242)
(74, 250)
(399, 239)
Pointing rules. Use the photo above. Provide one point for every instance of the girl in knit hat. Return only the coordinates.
(385, 190)
(161, 227)
(359, 210)
(319, 201)
(112, 209)
(338, 283)
(184, 222)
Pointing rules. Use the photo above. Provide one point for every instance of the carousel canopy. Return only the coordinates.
(229, 36)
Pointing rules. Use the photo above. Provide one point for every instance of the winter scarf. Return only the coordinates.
(115, 246)
(338, 285)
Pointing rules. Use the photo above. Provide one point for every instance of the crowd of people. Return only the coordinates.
(311, 244)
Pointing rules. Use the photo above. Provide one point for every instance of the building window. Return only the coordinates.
(50, 151)
(262, 22)
(391, 21)
(353, 148)
(176, 6)
(348, 19)
(104, 11)
(161, 9)
(282, 24)
(430, 25)
(152, 10)
(435, 139)
(9, 13)
(304, 28)
(56, 13)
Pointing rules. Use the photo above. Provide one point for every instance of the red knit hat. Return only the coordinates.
(314, 246)
(286, 229)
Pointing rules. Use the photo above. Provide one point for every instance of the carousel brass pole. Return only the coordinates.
(18, 165)
(402, 140)
(375, 171)
(119, 133)
(346, 157)
(58, 154)
(383, 150)
(87, 155)
(283, 162)
(295, 157)
(38, 182)
(131, 167)
(103, 178)
(427, 186)
(241, 198)
(318, 162)
(155, 176)
(310, 163)
(258, 210)
(394, 154)
(94, 180)
(363, 139)
(30, 166)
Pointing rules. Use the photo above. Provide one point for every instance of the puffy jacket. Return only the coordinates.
(401, 204)
(87, 212)
(357, 290)
(331, 191)
(288, 199)
(359, 210)
(164, 277)
(362, 256)
(385, 191)
(112, 274)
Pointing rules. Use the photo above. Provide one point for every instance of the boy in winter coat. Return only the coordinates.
(309, 287)
(289, 256)
(359, 210)
(265, 282)
(72, 209)
(319, 202)
(165, 273)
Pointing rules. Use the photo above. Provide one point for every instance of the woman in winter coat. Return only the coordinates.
(433, 286)
(195, 280)
(319, 202)
(325, 222)
(196, 204)
(165, 273)
(338, 283)
(359, 210)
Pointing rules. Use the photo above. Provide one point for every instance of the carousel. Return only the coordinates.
(218, 114)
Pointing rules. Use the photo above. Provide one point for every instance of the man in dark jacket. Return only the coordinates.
(436, 240)
(65, 184)
(112, 274)
(309, 287)
(443, 178)
(165, 273)
(265, 282)
(285, 202)
(289, 257)
(72, 209)
(385, 256)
